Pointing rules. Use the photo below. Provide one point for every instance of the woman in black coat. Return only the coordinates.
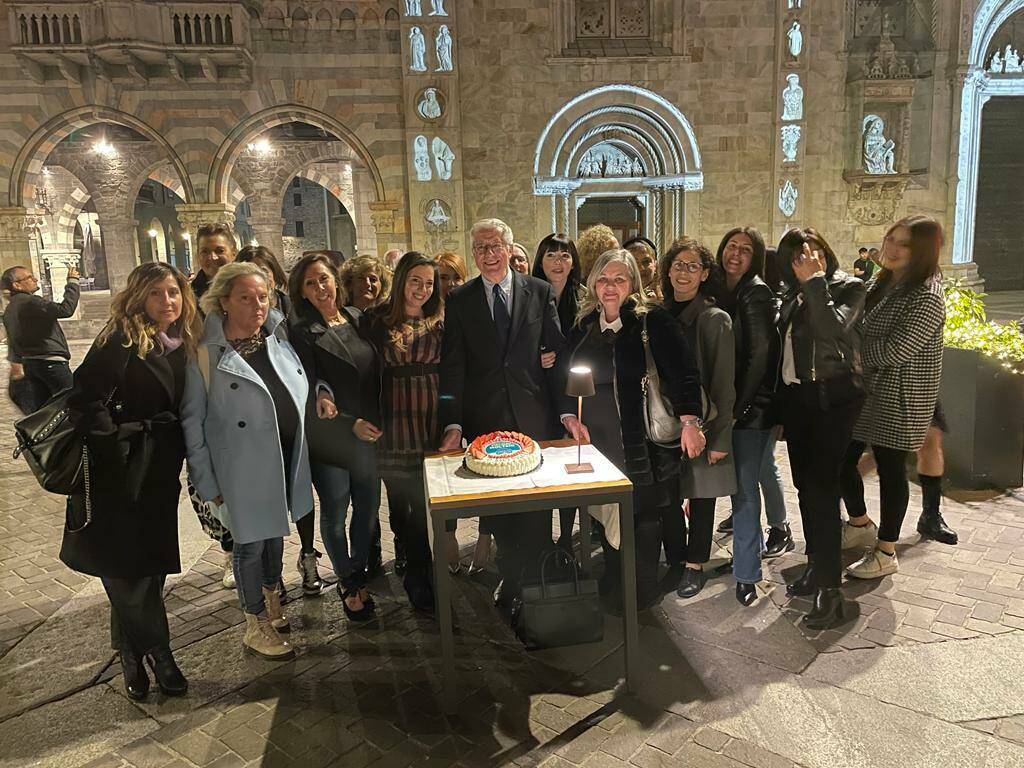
(343, 421)
(124, 526)
(820, 395)
(609, 339)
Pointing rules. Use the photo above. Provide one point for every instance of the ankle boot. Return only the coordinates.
(168, 676)
(277, 618)
(261, 639)
(804, 585)
(746, 593)
(931, 525)
(136, 681)
(828, 609)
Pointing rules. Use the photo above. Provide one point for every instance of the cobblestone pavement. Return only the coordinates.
(926, 672)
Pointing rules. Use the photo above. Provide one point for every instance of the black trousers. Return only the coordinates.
(408, 517)
(817, 440)
(138, 619)
(651, 503)
(521, 539)
(47, 378)
(892, 482)
(688, 540)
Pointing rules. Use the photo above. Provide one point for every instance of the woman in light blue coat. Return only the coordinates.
(242, 413)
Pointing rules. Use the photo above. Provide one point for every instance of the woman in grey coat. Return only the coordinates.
(684, 271)
(242, 413)
(901, 351)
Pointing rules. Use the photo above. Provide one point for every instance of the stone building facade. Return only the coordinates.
(421, 116)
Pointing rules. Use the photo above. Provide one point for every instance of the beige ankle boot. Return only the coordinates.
(262, 639)
(275, 611)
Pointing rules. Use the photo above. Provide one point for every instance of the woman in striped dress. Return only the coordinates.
(407, 331)
(901, 352)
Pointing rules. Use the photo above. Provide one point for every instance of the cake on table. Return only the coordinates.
(503, 454)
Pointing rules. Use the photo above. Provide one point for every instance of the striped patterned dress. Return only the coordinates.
(409, 399)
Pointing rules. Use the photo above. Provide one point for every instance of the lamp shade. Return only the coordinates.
(581, 382)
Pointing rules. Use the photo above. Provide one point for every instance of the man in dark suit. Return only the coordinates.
(496, 327)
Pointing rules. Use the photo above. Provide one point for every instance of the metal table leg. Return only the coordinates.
(630, 631)
(585, 540)
(443, 601)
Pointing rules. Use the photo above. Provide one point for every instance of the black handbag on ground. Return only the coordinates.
(558, 613)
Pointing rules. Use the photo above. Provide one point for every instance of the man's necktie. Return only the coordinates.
(502, 321)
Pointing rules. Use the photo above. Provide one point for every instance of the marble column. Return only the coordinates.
(59, 261)
(267, 225)
(121, 246)
(363, 195)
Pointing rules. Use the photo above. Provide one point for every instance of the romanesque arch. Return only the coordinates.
(246, 131)
(979, 86)
(651, 143)
(30, 160)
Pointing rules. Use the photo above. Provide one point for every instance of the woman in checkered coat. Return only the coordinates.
(901, 351)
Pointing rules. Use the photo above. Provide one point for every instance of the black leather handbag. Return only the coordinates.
(558, 613)
(53, 447)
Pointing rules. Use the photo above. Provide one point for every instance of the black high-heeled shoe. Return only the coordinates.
(828, 609)
(168, 676)
(136, 681)
(746, 593)
(804, 585)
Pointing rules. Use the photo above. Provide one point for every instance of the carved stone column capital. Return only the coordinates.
(19, 223)
(382, 214)
(194, 215)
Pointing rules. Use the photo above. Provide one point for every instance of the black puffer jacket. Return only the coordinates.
(754, 311)
(680, 381)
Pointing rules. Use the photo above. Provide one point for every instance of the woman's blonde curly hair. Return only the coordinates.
(360, 266)
(591, 243)
(128, 311)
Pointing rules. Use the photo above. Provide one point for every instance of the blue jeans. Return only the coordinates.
(256, 564)
(335, 487)
(748, 448)
(771, 486)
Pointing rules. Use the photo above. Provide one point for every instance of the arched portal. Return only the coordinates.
(619, 143)
(979, 86)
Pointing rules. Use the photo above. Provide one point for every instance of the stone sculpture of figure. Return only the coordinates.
(879, 152)
(421, 159)
(1012, 59)
(638, 168)
(437, 8)
(443, 158)
(413, 8)
(787, 199)
(444, 50)
(796, 39)
(997, 63)
(436, 214)
(793, 98)
(418, 48)
(790, 135)
(429, 107)
(791, 4)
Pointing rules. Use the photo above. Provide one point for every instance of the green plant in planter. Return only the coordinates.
(967, 327)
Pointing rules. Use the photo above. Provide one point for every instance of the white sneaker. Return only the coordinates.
(859, 537)
(228, 579)
(874, 565)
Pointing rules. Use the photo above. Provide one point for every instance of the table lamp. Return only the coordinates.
(580, 385)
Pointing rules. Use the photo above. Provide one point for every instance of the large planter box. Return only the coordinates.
(984, 405)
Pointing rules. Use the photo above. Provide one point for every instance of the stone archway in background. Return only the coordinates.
(979, 86)
(614, 122)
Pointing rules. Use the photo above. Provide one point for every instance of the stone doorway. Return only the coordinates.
(999, 227)
(625, 215)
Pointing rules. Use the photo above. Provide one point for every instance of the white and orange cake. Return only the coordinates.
(503, 454)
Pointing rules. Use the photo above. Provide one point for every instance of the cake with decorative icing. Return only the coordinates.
(503, 454)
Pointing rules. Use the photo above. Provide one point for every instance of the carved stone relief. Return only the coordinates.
(430, 105)
(787, 199)
(443, 48)
(417, 50)
(790, 135)
(793, 98)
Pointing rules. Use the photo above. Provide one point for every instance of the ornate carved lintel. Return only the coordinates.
(19, 223)
(873, 199)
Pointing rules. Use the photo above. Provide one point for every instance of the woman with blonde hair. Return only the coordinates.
(615, 336)
(243, 415)
(366, 281)
(124, 527)
(591, 244)
(451, 268)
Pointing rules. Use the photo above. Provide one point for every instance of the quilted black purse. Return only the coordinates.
(558, 613)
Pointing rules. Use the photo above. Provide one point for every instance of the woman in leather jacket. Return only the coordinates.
(752, 306)
(819, 398)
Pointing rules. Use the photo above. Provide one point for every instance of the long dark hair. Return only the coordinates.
(262, 256)
(926, 239)
(709, 287)
(557, 241)
(301, 304)
(793, 242)
(756, 268)
(391, 314)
